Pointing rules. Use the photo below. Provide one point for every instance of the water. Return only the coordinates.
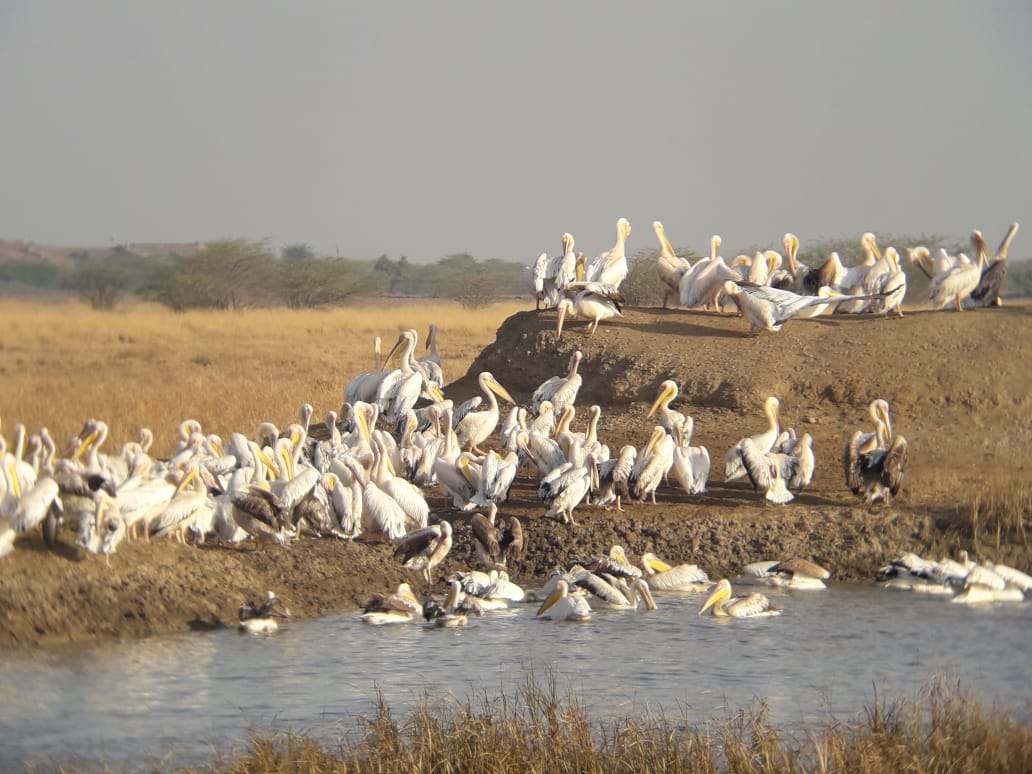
(179, 699)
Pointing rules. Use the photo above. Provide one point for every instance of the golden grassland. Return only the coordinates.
(538, 729)
(143, 365)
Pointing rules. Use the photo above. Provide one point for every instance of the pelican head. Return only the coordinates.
(870, 244)
(720, 593)
(665, 248)
(667, 392)
(731, 288)
(487, 380)
(623, 229)
(567, 240)
(714, 244)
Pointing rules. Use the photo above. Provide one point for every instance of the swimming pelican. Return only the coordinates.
(261, 619)
(668, 418)
(787, 573)
(423, 549)
(682, 577)
(561, 391)
(590, 301)
(610, 268)
(754, 605)
(399, 607)
(561, 605)
(733, 463)
(874, 463)
(477, 426)
(670, 265)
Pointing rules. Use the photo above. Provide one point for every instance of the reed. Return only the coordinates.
(143, 365)
(944, 729)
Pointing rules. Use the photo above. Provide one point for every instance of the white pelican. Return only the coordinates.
(788, 573)
(590, 301)
(668, 418)
(477, 426)
(552, 275)
(767, 308)
(402, 387)
(853, 280)
(404, 493)
(691, 465)
(613, 477)
(261, 619)
(564, 488)
(754, 605)
(561, 605)
(700, 285)
(682, 577)
(423, 549)
(399, 607)
(652, 465)
(765, 471)
(733, 464)
(497, 474)
(874, 463)
(6, 536)
(610, 268)
(670, 265)
(987, 293)
(430, 363)
(955, 284)
(561, 391)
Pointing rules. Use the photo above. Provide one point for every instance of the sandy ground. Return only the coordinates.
(958, 384)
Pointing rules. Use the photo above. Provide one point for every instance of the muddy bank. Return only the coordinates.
(958, 385)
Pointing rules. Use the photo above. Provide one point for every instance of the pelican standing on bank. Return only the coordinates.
(734, 466)
(477, 426)
(591, 301)
(561, 391)
(423, 549)
(670, 265)
(874, 463)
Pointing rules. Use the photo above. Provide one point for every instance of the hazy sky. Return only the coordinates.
(425, 129)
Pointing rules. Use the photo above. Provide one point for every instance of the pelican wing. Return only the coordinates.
(417, 542)
(893, 463)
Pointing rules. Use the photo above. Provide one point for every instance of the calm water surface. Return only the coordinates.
(176, 700)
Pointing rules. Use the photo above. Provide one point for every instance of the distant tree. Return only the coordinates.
(241, 273)
(477, 291)
(298, 252)
(321, 282)
(100, 284)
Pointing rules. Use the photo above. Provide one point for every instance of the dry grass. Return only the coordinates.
(143, 365)
(538, 730)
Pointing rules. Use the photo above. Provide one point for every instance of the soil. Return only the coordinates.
(958, 385)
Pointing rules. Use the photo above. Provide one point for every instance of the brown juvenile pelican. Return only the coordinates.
(874, 463)
(987, 292)
(261, 618)
(423, 549)
(399, 607)
(754, 605)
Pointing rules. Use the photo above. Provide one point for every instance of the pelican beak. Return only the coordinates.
(191, 474)
(646, 596)
(393, 352)
(559, 322)
(657, 564)
(435, 392)
(666, 393)
(500, 391)
(264, 459)
(722, 592)
(12, 474)
(551, 600)
(85, 443)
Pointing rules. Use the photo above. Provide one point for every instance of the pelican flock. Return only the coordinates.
(397, 440)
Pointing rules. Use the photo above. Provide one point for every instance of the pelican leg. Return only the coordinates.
(960, 306)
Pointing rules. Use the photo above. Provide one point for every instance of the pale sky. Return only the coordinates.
(429, 128)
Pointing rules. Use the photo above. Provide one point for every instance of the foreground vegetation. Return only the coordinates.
(944, 729)
(143, 365)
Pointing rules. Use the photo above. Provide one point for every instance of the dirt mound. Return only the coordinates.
(959, 389)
